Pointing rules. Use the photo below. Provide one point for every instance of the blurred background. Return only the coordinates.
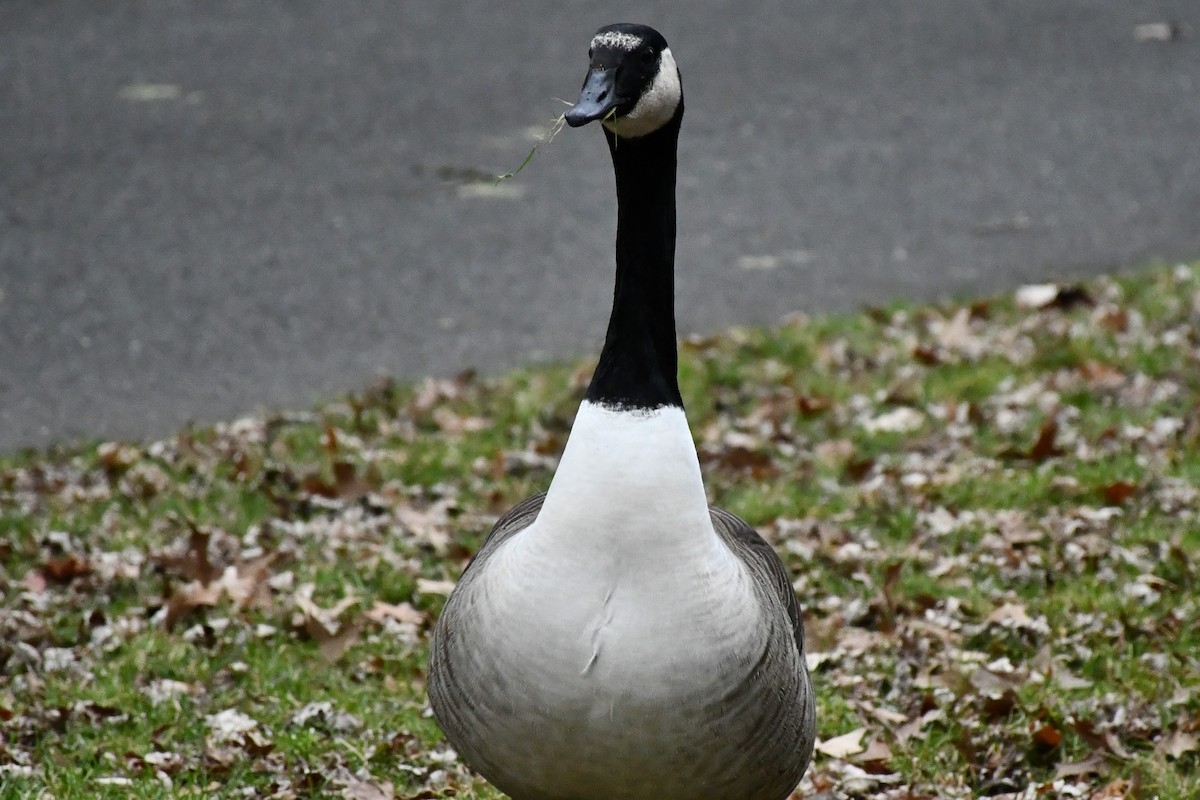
(211, 208)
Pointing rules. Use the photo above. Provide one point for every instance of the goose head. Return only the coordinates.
(632, 84)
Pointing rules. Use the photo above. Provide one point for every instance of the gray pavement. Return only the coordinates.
(210, 208)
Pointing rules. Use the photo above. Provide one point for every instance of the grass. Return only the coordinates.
(990, 512)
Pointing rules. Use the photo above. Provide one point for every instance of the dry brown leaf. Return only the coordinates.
(857, 641)
(347, 483)
(1010, 614)
(834, 451)
(66, 569)
(1177, 744)
(739, 458)
(1045, 448)
(194, 564)
(903, 419)
(1015, 529)
(368, 790)
(452, 423)
(332, 645)
(875, 758)
(811, 406)
(326, 616)
(845, 745)
(404, 612)
(1105, 740)
(34, 581)
(332, 635)
(429, 524)
(436, 390)
(116, 457)
(884, 715)
(1069, 680)
(1047, 737)
(915, 728)
(856, 469)
(188, 598)
(427, 586)
(926, 355)
(955, 334)
(1119, 789)
(1115, 494)
(1101, 376)
(246, 586)
(993, 684)
(996, 708)
(1092, 765)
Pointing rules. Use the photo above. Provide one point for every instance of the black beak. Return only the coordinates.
(598, 97)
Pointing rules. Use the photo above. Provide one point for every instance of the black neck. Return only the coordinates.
(639, 364)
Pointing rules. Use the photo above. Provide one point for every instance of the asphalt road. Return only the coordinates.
(212, 207)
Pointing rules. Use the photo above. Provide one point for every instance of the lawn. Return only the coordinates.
(990, 509)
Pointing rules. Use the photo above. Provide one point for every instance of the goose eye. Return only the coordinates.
(648, 57)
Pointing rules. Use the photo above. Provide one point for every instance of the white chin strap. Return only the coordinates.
(657, 104)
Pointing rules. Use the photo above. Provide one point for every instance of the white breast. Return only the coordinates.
(621, 585)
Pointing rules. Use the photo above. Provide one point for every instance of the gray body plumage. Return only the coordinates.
(739, 727)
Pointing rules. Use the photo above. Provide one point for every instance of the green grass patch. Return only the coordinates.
(990, 511)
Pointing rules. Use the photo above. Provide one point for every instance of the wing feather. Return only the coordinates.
(764, 561)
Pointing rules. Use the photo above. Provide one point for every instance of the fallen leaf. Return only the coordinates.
(884, 715)
(875, 758)
(404, 612)
(66, 569)
(1177, 744)
(811, 406)
(1012, 615)
(738, 458)
(1092, 765)
(1115, 494)
(915, 728)
(1101, 376)
(452, 423)
(845, 745)
(1119, 789)
(427, 586)
(430, 524)
(229, 725)
(347, 483)
(194, 564)
(1105, 740)
(188, 598)
(368, 790)
(34, 581)
(1045, 448)
(858, 468)
(1047, 737)
(899, 420)
(996, 708)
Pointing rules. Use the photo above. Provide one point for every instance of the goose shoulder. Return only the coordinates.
(767, 572)
(515, 520)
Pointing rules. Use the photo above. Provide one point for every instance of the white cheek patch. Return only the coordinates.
(617, 39)
(657, 104)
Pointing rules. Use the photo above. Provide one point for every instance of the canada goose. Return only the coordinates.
(616, 638)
